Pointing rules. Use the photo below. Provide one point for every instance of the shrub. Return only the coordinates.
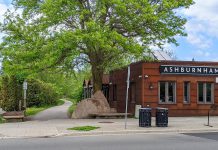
(77, 94)
(11, 93)
(40, 93)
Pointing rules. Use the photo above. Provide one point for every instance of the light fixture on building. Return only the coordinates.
(151, 86)
(110, 83)
(146, 76)
(140, 76)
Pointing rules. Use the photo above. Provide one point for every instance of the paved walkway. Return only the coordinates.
(58, 127)
(1, 111)
(57, 112)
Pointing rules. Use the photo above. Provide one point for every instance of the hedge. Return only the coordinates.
(10, 93)
(38, 93)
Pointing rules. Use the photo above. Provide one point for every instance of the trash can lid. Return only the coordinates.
(162, 108)
(147, 108)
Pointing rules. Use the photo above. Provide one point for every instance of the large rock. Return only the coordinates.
(96, 104)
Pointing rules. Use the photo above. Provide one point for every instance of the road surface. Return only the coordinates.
(170, 141)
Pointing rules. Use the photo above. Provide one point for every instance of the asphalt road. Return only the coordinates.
(117, 142)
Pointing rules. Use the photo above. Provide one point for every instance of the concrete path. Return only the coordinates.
(57, 112)
(59, 127)
(1, 111)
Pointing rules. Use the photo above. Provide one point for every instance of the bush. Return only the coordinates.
(77, 94)
(40, 93)
(11, 93)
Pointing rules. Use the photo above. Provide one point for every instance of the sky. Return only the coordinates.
(201, 27)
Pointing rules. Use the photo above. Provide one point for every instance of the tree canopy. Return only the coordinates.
(43, 34)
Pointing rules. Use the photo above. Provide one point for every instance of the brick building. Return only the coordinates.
(187, 88)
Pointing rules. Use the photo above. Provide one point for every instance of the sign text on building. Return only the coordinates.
(194, 70)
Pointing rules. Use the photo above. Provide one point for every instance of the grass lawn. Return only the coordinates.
(34, 110)
(71, 109)
(2, 120)
(84, 128)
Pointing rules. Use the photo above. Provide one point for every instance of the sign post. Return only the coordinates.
(127, 94)
(24, 94)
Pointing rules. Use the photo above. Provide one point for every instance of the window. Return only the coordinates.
(201, 92)
(205, 92)
(167, 92)
(186, 94)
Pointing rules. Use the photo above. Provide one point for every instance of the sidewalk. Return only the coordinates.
(53, 128)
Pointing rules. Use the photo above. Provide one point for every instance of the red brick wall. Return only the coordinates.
(150, 97)
(119, 77)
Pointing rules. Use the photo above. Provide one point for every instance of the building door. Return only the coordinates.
(132, 92)
(132, 97)
(105, 90)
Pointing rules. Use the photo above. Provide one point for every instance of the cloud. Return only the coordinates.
(3, 9)
(199, 40)
(202, 25)
(202, 53)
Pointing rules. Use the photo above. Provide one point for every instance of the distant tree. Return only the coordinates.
(102, 33)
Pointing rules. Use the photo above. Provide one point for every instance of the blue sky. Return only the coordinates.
(202, 28)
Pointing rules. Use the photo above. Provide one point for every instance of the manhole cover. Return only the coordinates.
(106, 122)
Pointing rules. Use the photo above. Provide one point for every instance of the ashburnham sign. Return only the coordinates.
(193, 70)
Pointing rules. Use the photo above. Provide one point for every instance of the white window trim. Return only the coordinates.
(167, 92)
(205, 93)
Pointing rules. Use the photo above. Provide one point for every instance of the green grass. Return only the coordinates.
(60, 102)
(71, 110)
(72, 107)
(84, 128)
(2, 120)
(34, 110)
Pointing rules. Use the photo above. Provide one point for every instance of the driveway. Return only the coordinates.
(57, 112)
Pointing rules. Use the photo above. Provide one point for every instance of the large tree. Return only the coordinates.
(42, 34)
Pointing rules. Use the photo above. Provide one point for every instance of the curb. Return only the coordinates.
(96, 133)
(119, 132)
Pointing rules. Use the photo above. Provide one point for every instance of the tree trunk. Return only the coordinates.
(97, 75)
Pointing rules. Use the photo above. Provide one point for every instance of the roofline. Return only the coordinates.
(188, 61)
(177, 61)
(163, 61)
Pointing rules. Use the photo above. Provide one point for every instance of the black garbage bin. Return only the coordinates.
(161, 117)
(144, 117)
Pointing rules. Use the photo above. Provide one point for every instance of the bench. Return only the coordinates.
(14, 116)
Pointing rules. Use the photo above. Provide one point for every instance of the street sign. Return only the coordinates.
(24, 93)
(25, 85)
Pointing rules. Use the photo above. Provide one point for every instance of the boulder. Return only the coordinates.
(96, 104)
